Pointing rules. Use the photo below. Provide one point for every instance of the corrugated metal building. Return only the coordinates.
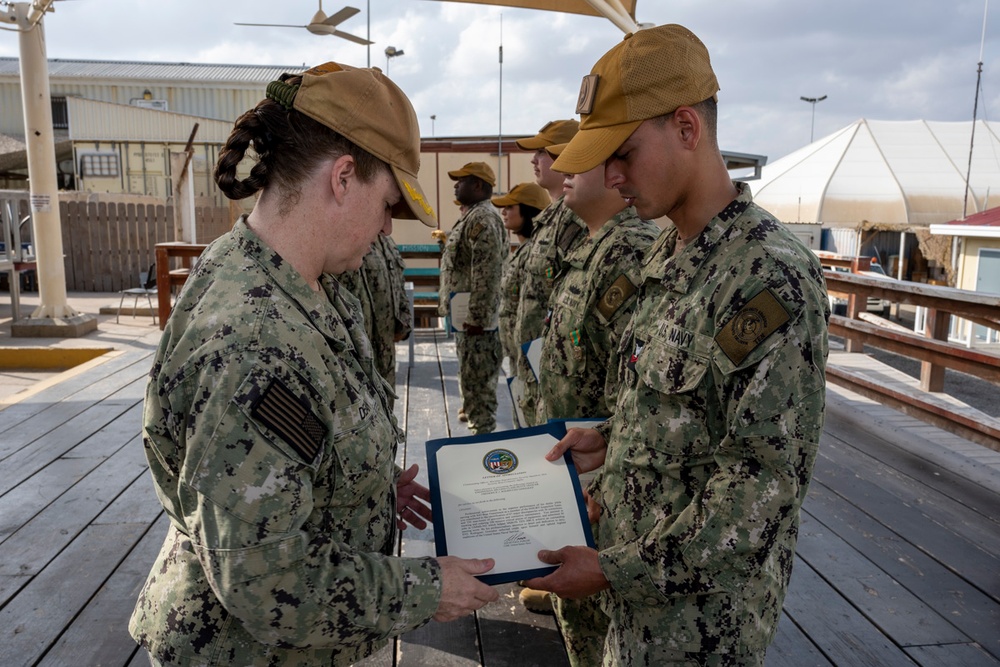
(220, 92)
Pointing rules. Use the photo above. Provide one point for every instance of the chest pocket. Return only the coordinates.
(364, 438)
(673, 361)
(565, 350)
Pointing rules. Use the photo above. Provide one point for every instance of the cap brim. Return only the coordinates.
(592, 147)
(413, 205)
(504, 201)
(532, 143)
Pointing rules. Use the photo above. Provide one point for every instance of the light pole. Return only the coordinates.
(391, 52)
(433, 118)
(812, 101)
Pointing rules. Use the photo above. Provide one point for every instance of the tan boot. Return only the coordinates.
(539, 602)
(461, 415)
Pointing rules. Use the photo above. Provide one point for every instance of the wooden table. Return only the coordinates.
(167, 278)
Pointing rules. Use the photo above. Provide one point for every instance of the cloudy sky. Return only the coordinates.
(880, 60)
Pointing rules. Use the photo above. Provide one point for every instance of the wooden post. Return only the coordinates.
(935, 326)
(854, 308)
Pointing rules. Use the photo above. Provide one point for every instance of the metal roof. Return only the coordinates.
(182, 72)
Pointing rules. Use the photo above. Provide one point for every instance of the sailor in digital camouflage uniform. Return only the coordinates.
(267, 428)
(472, 261)
(711, 447)
(590, 307)
(378, 285)
(557, 231)
(518, 208)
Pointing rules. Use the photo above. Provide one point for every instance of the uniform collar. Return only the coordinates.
(678, 271)
(579, 257)
(329, 309)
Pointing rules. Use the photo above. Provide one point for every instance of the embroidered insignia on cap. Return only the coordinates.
(617, 294)
(757, 320)
(588, 90)
(417, 197)
(280, 410)
(325, 68)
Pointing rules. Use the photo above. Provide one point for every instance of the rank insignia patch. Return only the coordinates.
(617, 294)
(280, 410)
(757, 320)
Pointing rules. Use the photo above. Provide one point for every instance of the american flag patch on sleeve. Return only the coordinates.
(281, 411)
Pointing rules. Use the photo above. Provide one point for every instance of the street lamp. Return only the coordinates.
(812, 101)
(391, 52)
(433, 118)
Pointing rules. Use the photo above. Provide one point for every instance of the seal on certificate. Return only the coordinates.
(500, 461)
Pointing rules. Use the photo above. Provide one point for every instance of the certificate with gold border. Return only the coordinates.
(495, 496)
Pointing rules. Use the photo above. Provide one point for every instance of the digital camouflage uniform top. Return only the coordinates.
(378, 285)
(591, 306)
(472, 261)
(510, 297)
(713, 440)
(557, 230)
(271, 447)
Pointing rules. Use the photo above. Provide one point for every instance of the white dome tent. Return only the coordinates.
(899, 176)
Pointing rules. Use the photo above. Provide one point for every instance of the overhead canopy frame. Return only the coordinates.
(619, 12)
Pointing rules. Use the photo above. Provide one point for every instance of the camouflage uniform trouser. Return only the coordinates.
(584, 627)
(529, 404)
(616, 657)
(478, 371)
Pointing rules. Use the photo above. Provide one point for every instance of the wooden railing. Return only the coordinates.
(935, 353)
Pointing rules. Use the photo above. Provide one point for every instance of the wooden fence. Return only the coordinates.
(107, 244)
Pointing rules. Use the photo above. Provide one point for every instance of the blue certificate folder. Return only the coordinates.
(496, 455)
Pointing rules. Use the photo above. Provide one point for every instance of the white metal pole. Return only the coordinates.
(40, 143)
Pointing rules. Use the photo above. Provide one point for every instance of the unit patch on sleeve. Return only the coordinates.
(757, 320)
(279, 410)
(617, 294)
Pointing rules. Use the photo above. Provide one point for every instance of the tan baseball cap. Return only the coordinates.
(555, 151)
(554, 132)
(372, 112)
(530, 194)
(480, 170)
(649, 74)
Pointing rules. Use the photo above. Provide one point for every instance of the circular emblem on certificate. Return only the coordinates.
(749, 323)
(500, 461)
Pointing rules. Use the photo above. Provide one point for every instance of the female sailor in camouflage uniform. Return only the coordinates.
(266, 427)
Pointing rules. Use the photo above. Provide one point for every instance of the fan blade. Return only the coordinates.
(272, 25)
(341, 16)
(352, 38)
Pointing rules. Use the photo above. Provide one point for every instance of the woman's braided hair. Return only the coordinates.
(287, 147)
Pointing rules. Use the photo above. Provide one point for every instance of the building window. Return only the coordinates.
(99, 164)
(60, 114)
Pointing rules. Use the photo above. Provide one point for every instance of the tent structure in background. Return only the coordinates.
(619, 12)
(877, 186)
(887, 173)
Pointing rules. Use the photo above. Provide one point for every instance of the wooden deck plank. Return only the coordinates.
(918, 517)
(793, 648)
(839, 630)
(39, 613)
(952, 655)
(893, 510)
(901, 615)
(97, 636)
(968, 608)
(35, 455)
(453, 644)
(76, 391)
(953, 474)
(47, 534)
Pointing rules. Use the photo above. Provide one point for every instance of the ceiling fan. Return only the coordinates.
(321, 24)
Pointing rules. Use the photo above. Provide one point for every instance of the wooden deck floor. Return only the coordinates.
(898, 560)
